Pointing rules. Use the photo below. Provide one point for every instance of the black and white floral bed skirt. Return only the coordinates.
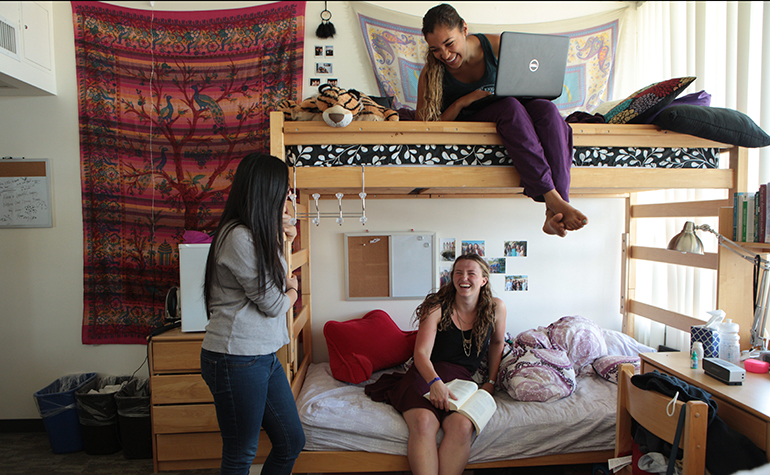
(475, 155)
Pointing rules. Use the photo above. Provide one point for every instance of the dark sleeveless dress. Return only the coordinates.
(406, 391)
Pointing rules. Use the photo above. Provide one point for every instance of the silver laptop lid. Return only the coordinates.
(531, 65)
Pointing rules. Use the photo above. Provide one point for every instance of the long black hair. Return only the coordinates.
(256, 200)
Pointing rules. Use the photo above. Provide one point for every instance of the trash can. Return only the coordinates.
(58, 409)
(133, 401)
(98, 414)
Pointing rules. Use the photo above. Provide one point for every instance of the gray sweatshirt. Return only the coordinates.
(243, 321)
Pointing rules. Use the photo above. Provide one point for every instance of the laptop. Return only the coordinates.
(529, 66)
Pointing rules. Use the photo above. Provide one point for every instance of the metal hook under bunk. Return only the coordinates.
(340, 216)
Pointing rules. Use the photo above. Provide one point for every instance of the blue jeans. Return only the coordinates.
(252, 392)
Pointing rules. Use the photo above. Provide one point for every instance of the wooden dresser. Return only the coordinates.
(185, 433)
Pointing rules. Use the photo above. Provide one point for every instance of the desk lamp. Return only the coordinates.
(688, 241)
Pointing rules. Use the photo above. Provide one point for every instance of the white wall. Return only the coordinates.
(577, 275)
(41, 283)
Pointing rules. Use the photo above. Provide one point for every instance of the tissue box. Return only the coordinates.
(710, 339)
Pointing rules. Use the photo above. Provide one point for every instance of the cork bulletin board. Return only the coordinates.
(389, 265)
(25, 193)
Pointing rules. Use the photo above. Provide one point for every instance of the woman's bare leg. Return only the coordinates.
(421, 447)
(455, 449)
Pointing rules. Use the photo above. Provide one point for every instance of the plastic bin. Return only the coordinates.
(98, 414)
(58, 409)
(133, 402)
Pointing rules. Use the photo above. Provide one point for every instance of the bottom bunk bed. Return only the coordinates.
(346, 431)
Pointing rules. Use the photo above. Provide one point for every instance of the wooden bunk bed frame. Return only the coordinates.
(420, 182)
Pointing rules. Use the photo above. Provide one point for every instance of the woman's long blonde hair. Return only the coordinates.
(445, 299)
(446, 16)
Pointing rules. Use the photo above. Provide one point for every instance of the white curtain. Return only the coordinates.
(726, 45)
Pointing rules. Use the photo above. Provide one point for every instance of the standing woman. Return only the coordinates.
(461, 69)
(459, 325)
(247, 294)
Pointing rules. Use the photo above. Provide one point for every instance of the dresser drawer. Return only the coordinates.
(184, 418)
(176, 356)
(200, 446)
(179, 389)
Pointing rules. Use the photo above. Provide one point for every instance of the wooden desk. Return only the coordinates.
(744, 408)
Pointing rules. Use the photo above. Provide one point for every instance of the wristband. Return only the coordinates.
(434, 380)
(492, 382)
(292, 288)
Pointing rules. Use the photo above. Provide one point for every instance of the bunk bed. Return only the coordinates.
(339, 170)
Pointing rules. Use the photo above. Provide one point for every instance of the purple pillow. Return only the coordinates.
(701, 98)
(581, 338)
(540, 375)
(608, 366)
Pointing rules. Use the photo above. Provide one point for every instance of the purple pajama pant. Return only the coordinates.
(538, 141)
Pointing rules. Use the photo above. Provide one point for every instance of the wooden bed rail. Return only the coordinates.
(446, 181)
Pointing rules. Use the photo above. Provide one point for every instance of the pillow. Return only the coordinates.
(645, 102)
(537, 375)
(701, 98)
(386, 102)
(608, 366)
(581, 338)
(714, 123)
(621, 344)
(605, 107)
(359, 347)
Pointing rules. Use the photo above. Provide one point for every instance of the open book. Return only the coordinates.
(474, 403)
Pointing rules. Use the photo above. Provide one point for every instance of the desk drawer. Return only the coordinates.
(184, 418)
(179, 389)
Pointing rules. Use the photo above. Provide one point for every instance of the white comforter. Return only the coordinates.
(339, 416)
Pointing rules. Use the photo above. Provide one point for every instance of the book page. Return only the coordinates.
(461, 389)
(479, 409)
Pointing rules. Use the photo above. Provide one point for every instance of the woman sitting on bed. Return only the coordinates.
(458, 325)
(461, 69)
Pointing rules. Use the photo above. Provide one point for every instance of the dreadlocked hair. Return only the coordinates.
(440, 15)
(444, 298)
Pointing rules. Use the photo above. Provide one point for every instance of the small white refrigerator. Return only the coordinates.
(192, 270)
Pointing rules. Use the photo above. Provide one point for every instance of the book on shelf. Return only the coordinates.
(474, 403)
(761, 213)
(749, 216)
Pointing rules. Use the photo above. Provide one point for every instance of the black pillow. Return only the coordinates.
(383, 101)
(722, 125)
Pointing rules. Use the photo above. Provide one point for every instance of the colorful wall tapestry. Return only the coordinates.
(397, 50)
(168, 104)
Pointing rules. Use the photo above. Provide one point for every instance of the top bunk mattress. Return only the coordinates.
(331, 155)
(338, 416)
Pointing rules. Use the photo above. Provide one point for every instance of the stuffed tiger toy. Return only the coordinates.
(337, 107)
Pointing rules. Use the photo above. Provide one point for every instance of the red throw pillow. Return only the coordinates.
(359, 347)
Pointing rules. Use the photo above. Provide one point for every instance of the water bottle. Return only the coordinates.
(697, 347)
(729, 342)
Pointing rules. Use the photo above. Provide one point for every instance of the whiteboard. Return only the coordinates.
(411, 265)
(25, 194)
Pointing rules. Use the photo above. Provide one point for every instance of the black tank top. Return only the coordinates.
(454, 89)
(449, 347)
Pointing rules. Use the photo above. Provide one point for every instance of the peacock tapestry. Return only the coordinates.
(168, 104)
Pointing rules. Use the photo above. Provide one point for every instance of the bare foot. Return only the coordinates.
(554, 224)
(572, 218)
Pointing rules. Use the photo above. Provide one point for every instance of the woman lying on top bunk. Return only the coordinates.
(459, 70)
